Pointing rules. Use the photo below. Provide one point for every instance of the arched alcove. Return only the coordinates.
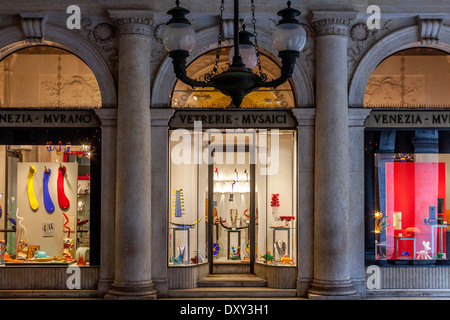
(12, 40)
(411, 78)
(165, 79)
(397, 41)
(47, 77)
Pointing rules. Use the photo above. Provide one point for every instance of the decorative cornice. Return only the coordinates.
(332, 23)
(132, 21)
(430, 27)
(33, 25)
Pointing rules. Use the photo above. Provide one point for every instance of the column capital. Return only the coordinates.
(305, 116)
(132, 21)
(107, 116)
(357, 116)
(160, 117)
(332, 22)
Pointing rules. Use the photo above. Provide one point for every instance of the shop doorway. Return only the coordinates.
(232, 208)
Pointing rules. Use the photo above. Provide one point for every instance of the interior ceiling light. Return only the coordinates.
(238, 80)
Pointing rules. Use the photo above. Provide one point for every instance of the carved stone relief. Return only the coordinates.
(361, 39)
(413, 78)
(102, 35)
(393, 91)
(69, 91)
(47, 77)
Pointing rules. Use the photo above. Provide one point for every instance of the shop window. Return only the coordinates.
(46, 204)
(47, 77)
(412, 78)
(408, 194)
(244, 180)
(184, 96)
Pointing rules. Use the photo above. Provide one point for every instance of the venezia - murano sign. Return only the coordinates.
(48, 118)
(408, 119)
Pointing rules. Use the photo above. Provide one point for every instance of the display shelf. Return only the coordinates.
(83, 211)
(182, 258)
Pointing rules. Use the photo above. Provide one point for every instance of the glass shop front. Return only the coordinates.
(49, 192)
(407, 160)
(232, 188)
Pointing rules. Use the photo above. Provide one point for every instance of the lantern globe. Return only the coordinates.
(289, 36)
(179, 36)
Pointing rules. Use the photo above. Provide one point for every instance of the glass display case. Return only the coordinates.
(411, 218)
(233, 197)
(188, 199)
(46, 210)
(82, 158)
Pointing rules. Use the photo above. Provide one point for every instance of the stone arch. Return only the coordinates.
(207, 40)
(12, 39)
(402, 39)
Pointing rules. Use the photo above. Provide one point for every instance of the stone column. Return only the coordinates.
(133, 194)
(160, 197)
(305, 219)
(108, 118)
(331, 207)
(357, 117)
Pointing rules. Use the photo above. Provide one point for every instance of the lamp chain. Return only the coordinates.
(219, 42)
(261, 74)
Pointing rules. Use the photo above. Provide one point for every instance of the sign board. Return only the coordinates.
(48, 118)
(408, 119)
(220, 119)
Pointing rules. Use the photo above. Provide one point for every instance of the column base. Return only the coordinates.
(303, 286)
(103, 286)
(343, 289)
(131, 292)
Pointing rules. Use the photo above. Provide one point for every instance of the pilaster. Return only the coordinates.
(356, 119)
(160, 196)
(305, 222)
(108, 119)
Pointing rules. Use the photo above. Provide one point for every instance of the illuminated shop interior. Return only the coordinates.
(45, 216)
(247, 170)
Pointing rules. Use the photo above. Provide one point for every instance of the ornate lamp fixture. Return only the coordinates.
(288, 39)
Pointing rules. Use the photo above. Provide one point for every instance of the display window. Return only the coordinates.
(47, 212)
(408, 195)
(232, 197)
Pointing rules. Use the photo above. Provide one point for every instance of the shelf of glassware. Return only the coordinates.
(83, 218)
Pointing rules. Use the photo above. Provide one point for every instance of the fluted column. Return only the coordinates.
(331, 206)
(108, 118)
(133, 194)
